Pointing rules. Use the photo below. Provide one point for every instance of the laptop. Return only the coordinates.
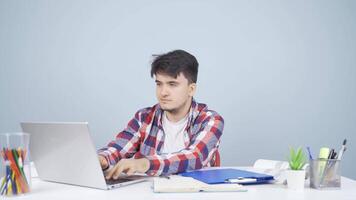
(64, 153)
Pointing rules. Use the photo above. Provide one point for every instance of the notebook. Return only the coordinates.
(179, 184)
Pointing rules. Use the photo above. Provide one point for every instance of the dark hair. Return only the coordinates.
(175, 62)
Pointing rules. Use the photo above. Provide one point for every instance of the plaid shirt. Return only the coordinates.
(144, 137)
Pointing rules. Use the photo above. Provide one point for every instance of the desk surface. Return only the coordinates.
(47, 190)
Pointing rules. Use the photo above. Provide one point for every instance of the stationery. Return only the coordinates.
(14, 182)
(180, 184)
(218, 176)
(342, 150)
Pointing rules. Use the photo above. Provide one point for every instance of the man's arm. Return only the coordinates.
(124, 146)
(196, 156)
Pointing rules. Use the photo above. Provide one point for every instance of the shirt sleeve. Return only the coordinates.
(197, 155)
(126, 143)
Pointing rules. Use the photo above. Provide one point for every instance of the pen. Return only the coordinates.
(328, 167)
(309, 152)
(342, 150)
(241, 180)
(331, 153)
(334, 155)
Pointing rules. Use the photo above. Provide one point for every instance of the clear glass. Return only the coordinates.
(15, 171)
(325, 173)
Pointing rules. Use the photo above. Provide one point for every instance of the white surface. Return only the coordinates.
(46, 190)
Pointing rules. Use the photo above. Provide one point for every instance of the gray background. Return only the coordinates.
(281, 73)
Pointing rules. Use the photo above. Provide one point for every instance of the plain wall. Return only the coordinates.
(281, 73)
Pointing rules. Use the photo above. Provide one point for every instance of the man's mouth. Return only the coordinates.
(165, 100)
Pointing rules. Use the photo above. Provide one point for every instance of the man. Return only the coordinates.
(173, 136)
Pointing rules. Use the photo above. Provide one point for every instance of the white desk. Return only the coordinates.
(47, 190)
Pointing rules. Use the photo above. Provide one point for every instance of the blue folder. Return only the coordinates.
(216, 176)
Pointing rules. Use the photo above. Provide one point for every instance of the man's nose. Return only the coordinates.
(164, 91)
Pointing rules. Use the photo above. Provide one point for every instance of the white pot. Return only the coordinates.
(295, 179)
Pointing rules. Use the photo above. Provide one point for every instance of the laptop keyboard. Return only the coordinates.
(123, 179)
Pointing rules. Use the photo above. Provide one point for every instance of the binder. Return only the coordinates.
(217, 176)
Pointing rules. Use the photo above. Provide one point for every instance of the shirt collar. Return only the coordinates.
(193, 113)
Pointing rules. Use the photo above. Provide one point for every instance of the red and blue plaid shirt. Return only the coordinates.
(144, 137)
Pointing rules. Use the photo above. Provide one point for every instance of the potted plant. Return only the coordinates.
(296, 174)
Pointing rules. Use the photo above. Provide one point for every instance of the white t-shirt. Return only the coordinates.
(174, 134)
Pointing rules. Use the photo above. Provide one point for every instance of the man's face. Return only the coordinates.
(173, 93)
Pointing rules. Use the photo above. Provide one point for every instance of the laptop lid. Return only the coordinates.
(64, 153)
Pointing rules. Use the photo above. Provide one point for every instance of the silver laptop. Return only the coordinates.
(64, 153)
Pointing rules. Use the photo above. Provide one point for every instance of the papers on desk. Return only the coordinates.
(275, 168)
(176, 183)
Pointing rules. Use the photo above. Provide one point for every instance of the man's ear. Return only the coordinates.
(192, 89)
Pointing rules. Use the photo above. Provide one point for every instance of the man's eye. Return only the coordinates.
(173, 84)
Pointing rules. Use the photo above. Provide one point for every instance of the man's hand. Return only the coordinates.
(128, 166)
(103, 162)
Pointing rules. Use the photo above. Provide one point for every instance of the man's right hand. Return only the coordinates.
(103, 162)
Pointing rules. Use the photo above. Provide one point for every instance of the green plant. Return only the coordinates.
(296, 158)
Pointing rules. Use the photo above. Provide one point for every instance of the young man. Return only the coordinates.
(173, 136)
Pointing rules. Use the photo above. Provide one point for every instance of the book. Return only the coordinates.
(178, 184)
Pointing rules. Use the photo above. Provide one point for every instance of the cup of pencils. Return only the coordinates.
(15, 172)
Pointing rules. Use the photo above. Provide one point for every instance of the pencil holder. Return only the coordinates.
(325, 173)
(15, 172)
